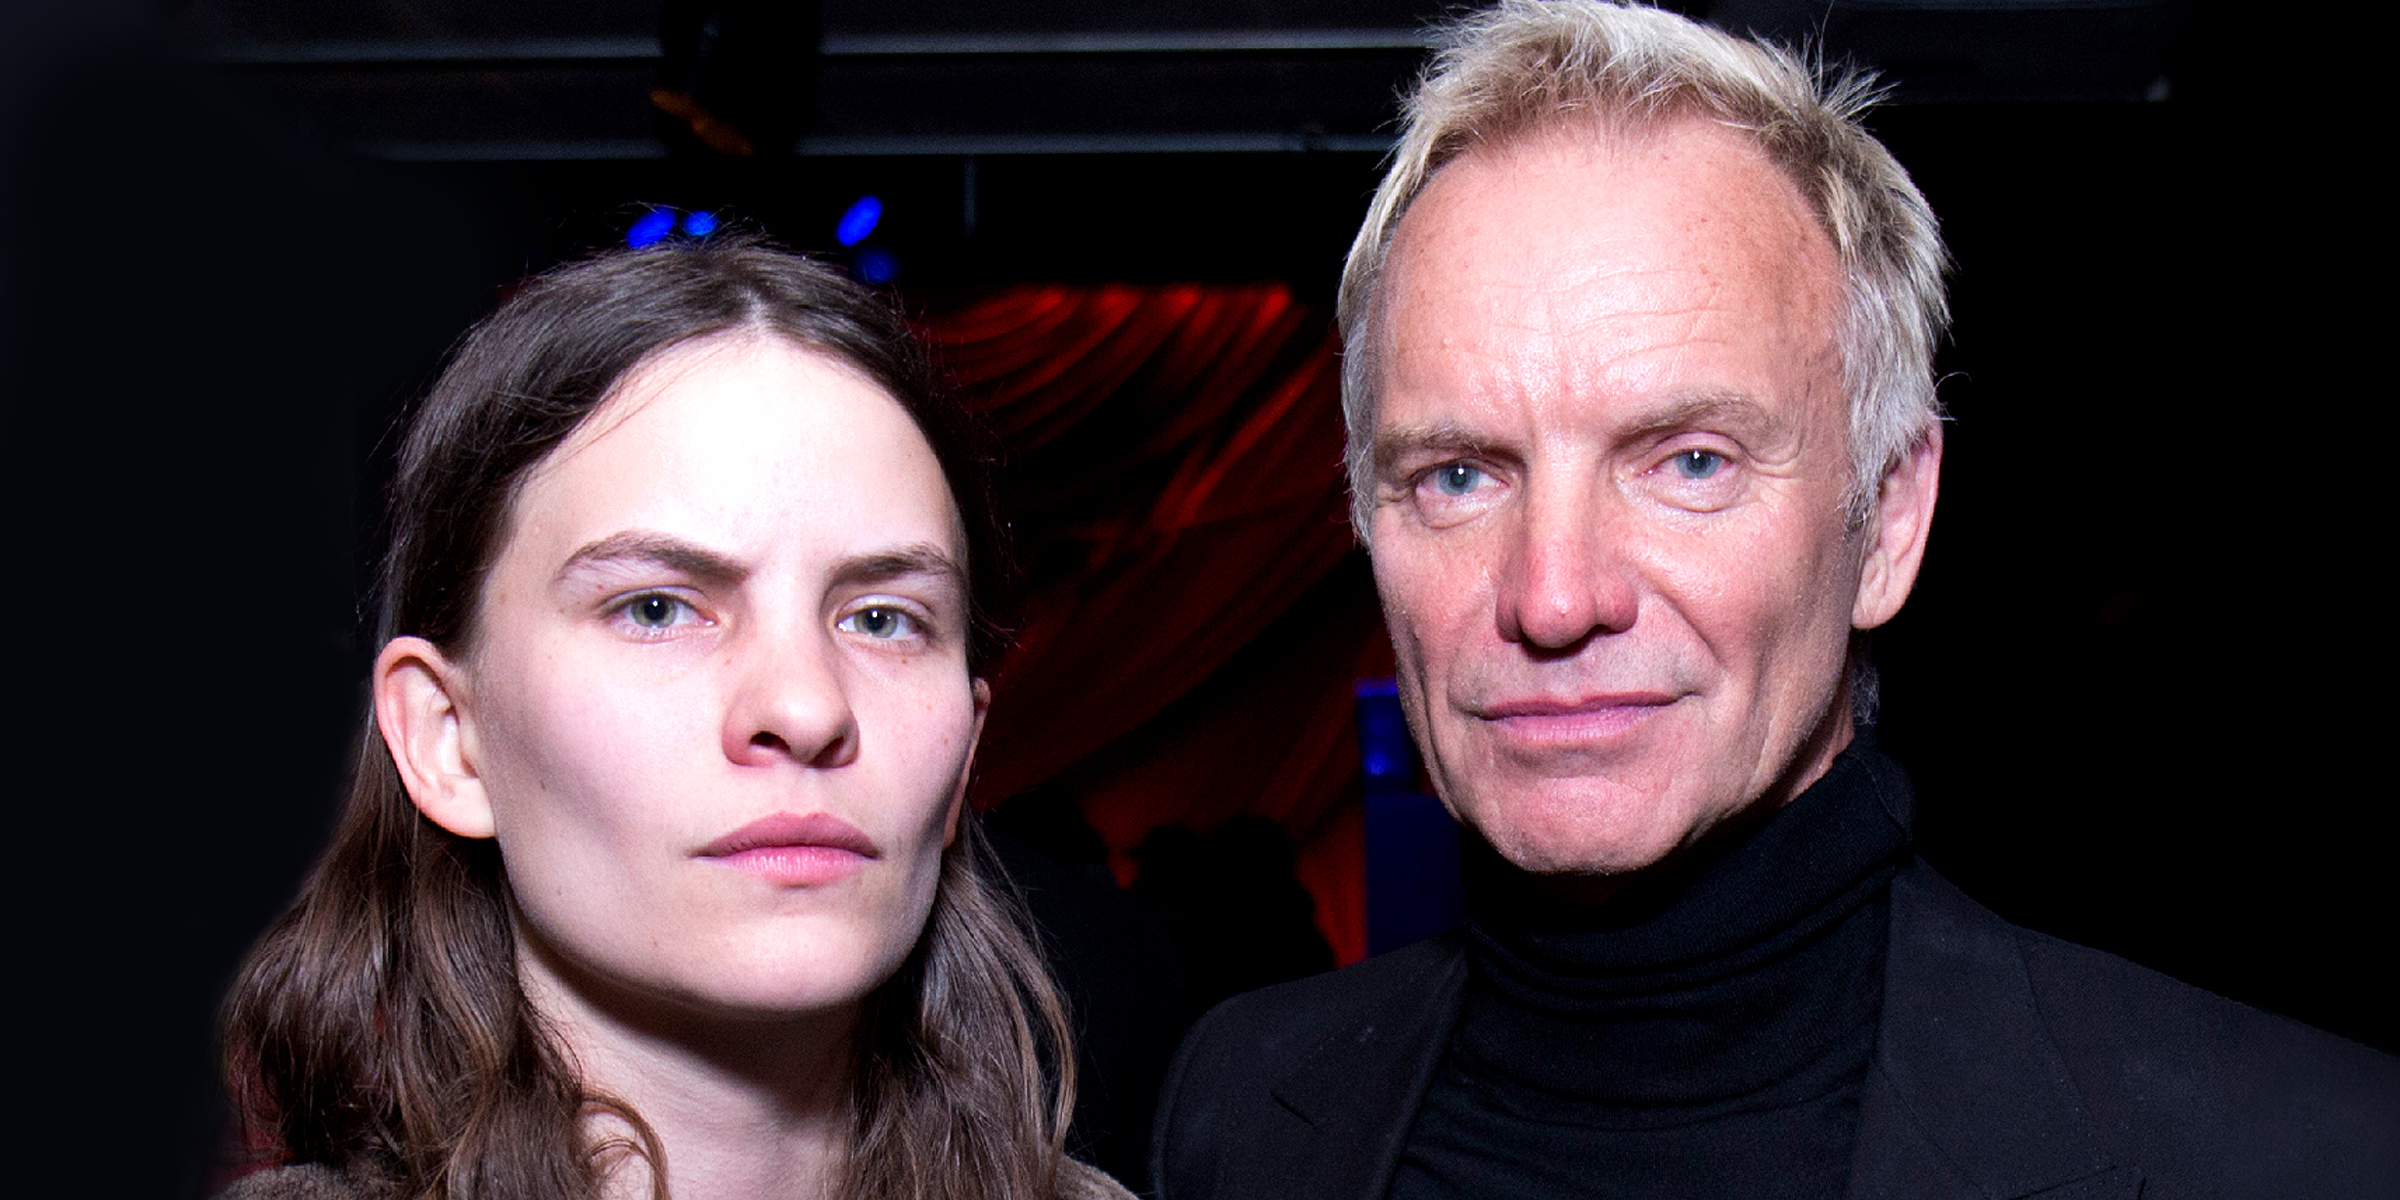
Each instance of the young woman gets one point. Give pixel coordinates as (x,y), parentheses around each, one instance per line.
(655,877)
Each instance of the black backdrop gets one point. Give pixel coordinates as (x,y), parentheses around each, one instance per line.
(2139,684)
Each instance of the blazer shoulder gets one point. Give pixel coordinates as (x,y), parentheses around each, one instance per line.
(1268,1080)
(1268,1027)
(2205,1094)
(2182,1073)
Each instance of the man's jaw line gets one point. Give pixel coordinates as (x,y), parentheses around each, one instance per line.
(1807,763)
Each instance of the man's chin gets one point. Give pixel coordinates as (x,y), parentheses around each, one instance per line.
(1596,825)
(1582,852)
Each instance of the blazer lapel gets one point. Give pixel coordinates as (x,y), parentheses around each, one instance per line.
(1360,1087)
(1968,1098)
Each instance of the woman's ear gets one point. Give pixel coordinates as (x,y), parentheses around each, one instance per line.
(958,797)
(420,709)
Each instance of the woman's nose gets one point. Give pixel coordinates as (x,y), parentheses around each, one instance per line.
(788,702)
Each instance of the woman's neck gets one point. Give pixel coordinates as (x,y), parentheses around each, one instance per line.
(739,1108)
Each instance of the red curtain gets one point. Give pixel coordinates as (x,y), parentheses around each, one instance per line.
(1196,608)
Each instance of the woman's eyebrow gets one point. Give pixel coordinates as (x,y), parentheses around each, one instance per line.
(657,549)
(922,558)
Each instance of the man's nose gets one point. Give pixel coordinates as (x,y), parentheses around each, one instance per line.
(788,702)
(1566,578)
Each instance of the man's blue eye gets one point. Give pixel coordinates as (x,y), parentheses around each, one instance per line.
(653,612)
(1457,479)
(1698,464)
(880,623)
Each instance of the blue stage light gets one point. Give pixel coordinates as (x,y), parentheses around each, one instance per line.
(1385,753)
(700,224)
(878,266)
(858,221)
(1413,887)
(653,225)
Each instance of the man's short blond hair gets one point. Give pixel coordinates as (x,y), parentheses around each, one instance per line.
(1524,66)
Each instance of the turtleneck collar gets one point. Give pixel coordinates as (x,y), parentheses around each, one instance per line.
(1746,975)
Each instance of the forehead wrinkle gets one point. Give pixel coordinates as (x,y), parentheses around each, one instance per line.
(1555,320)
(1554,372)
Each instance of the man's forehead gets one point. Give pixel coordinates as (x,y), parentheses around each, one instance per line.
(1582,198)
(1589,259)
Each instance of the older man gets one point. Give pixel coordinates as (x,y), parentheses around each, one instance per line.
(1643,438)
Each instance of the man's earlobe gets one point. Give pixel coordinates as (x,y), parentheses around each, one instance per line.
(1897,531)
(419,709)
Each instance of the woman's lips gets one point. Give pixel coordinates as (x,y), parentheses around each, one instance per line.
(794,851)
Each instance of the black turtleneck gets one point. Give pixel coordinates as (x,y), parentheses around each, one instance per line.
(1704,1032)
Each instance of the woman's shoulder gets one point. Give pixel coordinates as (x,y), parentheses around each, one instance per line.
(305,1181)
(1079,1182)
(312,1181)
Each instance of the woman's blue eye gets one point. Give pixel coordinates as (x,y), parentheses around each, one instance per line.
(880,622)
(654,612)
(1698,464)
(1457,479)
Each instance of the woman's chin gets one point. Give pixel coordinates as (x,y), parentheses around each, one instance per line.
(725,986)
(774,1001)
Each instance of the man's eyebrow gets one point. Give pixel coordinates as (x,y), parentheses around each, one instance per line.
(1710,408)
(922,558)
(1445,439)
(657,549)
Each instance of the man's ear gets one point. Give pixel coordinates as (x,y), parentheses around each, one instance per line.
(958,796)
(419,708)
(1896,532)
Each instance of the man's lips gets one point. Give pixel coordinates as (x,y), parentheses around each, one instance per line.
(1572,721)
(1546,706)
(793,850)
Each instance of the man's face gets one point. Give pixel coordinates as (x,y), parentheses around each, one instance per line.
(1611,456)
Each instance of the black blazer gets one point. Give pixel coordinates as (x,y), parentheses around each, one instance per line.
(2009,1065)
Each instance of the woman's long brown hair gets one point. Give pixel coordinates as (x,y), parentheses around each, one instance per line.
(379,1026)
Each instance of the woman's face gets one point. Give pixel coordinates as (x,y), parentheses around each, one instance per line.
(717,700)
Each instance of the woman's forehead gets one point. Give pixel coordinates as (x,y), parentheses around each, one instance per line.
(747,436)
(743,356)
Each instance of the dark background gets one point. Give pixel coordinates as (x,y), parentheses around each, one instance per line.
(2136,684)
